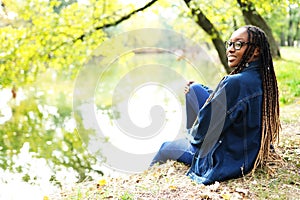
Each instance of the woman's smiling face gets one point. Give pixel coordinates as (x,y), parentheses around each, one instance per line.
(235,51)
(235,56)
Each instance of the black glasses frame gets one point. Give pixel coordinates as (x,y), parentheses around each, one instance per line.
(236,45)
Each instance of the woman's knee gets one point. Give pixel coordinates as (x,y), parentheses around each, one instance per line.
(200,89)
(164,146)
(197,96)
(194,86)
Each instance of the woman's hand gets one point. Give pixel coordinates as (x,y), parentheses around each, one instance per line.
(187,87)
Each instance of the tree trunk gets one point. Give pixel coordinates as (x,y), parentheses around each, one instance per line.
(282,39)
(209,28)
(290,29)
(251,16)
(297,35)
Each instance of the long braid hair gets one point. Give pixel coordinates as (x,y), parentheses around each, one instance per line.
(270,103)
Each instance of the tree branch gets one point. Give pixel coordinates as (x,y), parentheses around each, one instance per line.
(211,30)
(126,16)
(123,18)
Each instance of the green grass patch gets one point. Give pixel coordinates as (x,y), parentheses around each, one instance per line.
(288,74)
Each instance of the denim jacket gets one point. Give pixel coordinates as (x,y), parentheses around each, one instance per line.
(229,128)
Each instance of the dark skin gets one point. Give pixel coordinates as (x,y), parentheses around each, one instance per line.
(234,56)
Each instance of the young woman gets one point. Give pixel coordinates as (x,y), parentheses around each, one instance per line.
(231,130)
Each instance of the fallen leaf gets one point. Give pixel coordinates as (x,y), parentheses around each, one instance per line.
(172,187)
(214,187)
(204,196)
(45,198)
(241,190)
(171,171)
(101,183)
(225,196)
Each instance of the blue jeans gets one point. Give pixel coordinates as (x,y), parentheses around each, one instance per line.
(194,101)
(182,150)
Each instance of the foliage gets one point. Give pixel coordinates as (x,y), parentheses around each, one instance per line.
(43,45)
(60,35)
(44,121)
(40,38)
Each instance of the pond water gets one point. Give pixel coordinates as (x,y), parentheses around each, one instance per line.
(125,112)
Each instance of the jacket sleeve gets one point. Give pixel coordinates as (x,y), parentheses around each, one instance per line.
(213,118)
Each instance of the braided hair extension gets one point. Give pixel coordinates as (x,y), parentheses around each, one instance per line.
(270,105)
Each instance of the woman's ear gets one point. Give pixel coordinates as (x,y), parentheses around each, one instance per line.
(256,52)
(255,55)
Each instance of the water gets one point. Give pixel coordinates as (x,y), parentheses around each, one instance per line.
(138,107)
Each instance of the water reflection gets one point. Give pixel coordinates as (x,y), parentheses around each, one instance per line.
(130,132)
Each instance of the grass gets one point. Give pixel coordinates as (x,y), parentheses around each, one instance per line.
(169,181)
(288,74)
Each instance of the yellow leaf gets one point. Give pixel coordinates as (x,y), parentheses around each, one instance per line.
(45,198)
(102,182)
(226,196)
(173,187)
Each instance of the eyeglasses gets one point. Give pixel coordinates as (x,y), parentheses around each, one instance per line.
(236,45)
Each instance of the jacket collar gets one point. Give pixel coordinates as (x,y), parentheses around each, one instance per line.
(252,65)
